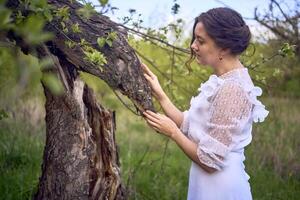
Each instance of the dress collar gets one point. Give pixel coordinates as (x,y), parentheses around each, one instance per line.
(233,72)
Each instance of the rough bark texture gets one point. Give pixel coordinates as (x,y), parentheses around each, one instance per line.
(122,71)
(80,156)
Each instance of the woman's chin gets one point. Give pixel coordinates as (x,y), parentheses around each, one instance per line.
(199,61)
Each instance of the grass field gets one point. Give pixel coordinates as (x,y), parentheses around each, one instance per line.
(154,168)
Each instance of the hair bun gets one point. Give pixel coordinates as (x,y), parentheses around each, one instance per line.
(227,28)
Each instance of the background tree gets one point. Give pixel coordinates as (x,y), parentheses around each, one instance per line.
(282,19)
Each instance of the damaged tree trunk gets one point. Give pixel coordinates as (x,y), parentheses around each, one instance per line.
(80,156)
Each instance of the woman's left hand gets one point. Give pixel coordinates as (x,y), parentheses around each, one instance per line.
(161,123)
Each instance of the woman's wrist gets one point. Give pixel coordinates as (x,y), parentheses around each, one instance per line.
(175,134)
(163,98)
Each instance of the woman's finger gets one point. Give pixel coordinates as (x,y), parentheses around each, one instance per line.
(147,70)
(147,77)
(150,117)
(157,116)
(152,124)
(153,127)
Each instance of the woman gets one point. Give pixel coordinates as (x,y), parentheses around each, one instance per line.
(218,124)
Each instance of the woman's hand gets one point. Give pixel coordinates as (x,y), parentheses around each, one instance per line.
(161,123)
(153,81)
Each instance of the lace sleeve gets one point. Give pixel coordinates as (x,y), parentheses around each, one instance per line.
(229,109)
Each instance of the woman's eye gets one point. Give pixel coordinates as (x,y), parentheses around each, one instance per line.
(200,41)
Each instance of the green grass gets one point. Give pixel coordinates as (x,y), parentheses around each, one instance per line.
(153,168)
(20,160)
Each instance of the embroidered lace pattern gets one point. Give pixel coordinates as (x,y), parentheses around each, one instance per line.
(228,108)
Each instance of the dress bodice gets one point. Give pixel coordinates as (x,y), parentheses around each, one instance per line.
(220,117)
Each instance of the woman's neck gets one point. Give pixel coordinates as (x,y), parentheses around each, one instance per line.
(226,66)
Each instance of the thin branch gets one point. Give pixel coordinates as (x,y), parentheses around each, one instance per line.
(154,38)
(163,74)
(285,16)
(165,48)
(127,106)
(263,61)
(276,31)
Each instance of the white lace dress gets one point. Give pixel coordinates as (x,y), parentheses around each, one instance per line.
(220,121)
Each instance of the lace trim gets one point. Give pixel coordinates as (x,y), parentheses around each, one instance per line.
(209,88)
(233,71)
(212,146)
(205,159)
(259,113)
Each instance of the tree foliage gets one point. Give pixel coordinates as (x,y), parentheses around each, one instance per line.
(153,45)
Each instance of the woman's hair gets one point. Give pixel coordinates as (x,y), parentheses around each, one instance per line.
(226,27)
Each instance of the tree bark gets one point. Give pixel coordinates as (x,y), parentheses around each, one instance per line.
(122,71)
(80,156)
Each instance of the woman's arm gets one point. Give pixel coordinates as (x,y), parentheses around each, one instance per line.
(166,126)
(171,111)
(190,149)
(168,107)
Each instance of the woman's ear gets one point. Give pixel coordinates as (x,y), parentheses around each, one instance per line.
(223,53)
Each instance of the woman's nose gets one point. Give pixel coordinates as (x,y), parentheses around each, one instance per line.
(194,46)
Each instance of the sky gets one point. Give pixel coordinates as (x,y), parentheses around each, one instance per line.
(156,13)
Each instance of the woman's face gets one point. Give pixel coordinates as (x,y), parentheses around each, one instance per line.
(205,49)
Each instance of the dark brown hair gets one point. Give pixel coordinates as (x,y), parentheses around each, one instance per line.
(226,27)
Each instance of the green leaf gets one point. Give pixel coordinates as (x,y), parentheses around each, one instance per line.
(287,50)
(38,5)
(3,114)
(276,72)
(48,15)
(101,41)
(4,16)
(103,2)
(65,30)
(75,28)
(63,13)
(109,42)
(63,25)
(32,30)
(46,63)
(83,42)
(52,83)
(112,35)
(19,17)
(110,38)
(70,44)
(86,11)
(94,56)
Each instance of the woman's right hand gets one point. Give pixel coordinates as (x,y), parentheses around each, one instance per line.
(157,91)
